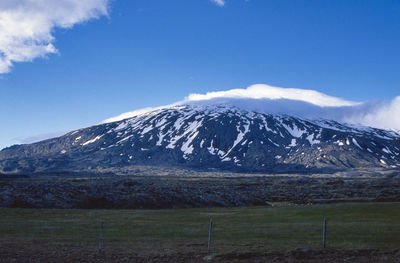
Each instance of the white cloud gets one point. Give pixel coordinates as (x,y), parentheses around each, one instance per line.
(309,104)
(384,116)
(219,2)
(262,91)
(26,26)
(38,137)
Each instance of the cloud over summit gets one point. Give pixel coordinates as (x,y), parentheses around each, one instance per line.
(262,91)
(26,26)
(308,104)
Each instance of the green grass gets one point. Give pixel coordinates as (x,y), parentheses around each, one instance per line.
(350,226)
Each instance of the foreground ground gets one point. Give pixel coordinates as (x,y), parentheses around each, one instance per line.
(357,232)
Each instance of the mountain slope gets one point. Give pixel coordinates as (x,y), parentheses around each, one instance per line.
(221,137)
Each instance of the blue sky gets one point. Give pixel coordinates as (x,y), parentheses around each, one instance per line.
(154,52)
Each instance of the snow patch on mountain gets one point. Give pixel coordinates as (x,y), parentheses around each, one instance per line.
(92,140)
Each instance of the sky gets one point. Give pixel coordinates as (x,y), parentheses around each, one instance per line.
(69,64)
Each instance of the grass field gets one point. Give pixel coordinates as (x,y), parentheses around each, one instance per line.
(281,227)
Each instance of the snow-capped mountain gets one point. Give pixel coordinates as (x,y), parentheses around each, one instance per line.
(210,136)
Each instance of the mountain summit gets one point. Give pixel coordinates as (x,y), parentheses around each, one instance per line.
(210,136)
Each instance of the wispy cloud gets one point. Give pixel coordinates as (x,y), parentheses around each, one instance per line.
(38,137)
(26,26)
(218,2)
(309,104)
(131,114)
(384,115)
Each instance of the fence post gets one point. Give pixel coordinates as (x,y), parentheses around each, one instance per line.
(209,235)
(101,237)
(324,234)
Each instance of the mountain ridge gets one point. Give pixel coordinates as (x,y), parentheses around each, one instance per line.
(219,136)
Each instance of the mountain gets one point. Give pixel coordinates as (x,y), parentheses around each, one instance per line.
(222,136)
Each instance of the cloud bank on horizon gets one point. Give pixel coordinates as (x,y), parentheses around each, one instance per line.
(26,26)
(304,103)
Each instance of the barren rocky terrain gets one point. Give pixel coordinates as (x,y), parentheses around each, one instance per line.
(148,187)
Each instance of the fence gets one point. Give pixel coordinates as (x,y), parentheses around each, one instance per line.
(351,226)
